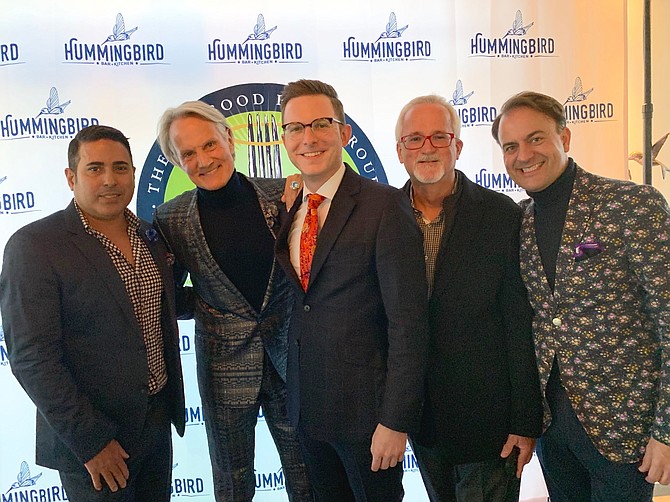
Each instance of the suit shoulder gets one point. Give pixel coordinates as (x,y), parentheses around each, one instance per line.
(624,189)
(39,236)
(496,200)
(44,227)
(377,187)
(269,188)
(175,204)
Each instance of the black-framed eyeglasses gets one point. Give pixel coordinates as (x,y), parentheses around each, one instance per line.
(318,126)
(438,140)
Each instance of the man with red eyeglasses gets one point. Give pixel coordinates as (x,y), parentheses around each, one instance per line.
(483,407)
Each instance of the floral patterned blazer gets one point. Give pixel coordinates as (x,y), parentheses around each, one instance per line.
(608,319)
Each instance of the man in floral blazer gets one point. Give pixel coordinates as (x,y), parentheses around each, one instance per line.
(596,262)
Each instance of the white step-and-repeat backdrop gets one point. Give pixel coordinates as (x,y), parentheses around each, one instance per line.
(65,65)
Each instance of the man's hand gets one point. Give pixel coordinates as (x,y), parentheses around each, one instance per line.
(656,462)
(525,446)
(387,448)
(110,464)
(291,190)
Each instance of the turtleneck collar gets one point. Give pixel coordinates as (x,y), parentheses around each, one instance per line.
(227,196)
(559,191)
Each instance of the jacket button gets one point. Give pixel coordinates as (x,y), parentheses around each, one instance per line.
(556,321)
(307,308)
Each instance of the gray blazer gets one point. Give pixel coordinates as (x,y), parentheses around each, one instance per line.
(231,336)
(74,343)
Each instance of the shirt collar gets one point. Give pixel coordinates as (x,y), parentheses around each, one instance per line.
(133,221)
(329,188)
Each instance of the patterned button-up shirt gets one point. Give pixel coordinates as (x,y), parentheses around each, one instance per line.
(144,286)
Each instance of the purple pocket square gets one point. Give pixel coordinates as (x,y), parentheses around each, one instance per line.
(585,250)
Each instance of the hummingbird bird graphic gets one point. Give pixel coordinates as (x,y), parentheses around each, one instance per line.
(655,148)
(458,97)
(53,106)
(119,32)
(392,30)
(23,479)
(578,93)
(260,33)
(518,28)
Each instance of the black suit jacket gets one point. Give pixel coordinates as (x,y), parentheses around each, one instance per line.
(357,337)
(74,343)
(482,379)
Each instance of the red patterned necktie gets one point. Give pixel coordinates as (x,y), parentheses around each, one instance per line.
(310,228)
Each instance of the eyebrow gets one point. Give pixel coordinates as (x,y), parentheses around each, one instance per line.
(528,136)
(114,163)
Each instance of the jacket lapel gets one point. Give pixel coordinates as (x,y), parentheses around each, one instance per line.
(342,205)
(282,251)
(100,260)
(453,253)
(532,269)
(577,221)
(198,244)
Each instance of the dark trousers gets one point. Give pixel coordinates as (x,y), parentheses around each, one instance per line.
(340,472)
(573,468)
(149,464)
(231,438)
(487,481)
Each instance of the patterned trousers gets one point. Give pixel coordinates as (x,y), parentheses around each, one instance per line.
(231,440)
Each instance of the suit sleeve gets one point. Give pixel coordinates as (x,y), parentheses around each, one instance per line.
(647,240)
(184,295)
(30,300)
(526,396)
(402,280)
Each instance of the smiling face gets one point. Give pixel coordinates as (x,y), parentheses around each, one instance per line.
(205,154)
(317,156)
(534,152)
(103,182)
(429,165)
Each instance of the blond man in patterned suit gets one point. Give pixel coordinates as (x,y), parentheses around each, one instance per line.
(222,234)
(596,262)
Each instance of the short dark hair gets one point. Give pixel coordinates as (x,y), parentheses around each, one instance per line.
(90,134)
(304,87)
(535,101)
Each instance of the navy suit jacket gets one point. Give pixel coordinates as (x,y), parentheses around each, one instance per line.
(74,342)
(482,379)
(357,337)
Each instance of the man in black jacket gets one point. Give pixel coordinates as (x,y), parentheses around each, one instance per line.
(89,316)
(483,407)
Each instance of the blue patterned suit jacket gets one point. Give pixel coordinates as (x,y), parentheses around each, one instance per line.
(608,318)
(231,336)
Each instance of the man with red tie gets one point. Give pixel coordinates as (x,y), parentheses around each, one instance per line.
(357,337)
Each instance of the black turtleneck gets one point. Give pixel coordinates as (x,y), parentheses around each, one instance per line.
(551,206)
(238,236)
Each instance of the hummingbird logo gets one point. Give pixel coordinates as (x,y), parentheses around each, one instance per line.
(24,479)
(656,147)
(53,105)
(458,97)
(119,33)
(578,93)
(260,33)
(392,30)
(518,29)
